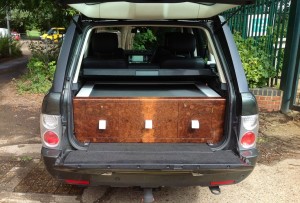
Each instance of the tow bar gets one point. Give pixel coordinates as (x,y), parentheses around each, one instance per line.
(148,195)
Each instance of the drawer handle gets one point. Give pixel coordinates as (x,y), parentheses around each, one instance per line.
(195,124)
(148,124)
(102,124)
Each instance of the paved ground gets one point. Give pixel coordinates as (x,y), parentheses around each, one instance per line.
(24,179)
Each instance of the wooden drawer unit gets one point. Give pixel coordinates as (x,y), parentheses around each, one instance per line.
(210,115)
(171,118)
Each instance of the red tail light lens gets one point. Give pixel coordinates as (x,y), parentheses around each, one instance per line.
(224,182)
(51,139)
(77,182)
(248,140)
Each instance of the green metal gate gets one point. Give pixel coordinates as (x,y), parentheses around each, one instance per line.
(266,19)
(292,62)
(290,76)
(296,93)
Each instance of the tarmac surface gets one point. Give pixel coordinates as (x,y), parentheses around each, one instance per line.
(23,177)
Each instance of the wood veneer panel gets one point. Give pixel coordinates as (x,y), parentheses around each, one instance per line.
(209,113)
(171,119)
(134,113)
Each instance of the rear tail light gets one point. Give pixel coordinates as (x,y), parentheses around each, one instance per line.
(250,122)
(248,131)
(223,182)
(248,140)
(51,129)
(77,182)
(50,121)
(51,139)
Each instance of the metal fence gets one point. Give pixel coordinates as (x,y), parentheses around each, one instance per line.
(267,19)
(297,94)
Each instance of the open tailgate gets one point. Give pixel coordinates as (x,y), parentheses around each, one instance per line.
(153,10)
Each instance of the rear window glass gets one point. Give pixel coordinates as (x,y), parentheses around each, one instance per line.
(143,44)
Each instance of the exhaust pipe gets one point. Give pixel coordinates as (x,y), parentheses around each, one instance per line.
(215,190)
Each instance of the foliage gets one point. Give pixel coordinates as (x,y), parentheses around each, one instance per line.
(41,68)
(144,40)
(38,78)
(256,61)
(31,34)
(44,52)
(35,14)
(4,48)
(26,158)
(274,15)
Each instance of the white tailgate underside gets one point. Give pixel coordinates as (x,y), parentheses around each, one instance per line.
(150,11)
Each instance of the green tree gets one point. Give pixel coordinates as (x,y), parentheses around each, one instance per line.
(256,61)
(40,68)
(35,14)
(144,40)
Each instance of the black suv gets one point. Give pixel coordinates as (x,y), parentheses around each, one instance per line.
(149,94)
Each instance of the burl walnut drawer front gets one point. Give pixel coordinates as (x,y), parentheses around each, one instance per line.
(210,115)
(133,115)
(169,119)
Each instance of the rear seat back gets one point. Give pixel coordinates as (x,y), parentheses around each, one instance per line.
(104,52)
(181,47)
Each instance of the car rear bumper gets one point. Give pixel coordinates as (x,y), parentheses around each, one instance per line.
(118,165)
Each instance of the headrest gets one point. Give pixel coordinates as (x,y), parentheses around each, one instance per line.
(180,42)
(104,42)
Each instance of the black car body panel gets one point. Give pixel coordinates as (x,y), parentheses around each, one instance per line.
(175,169)
(64,56)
